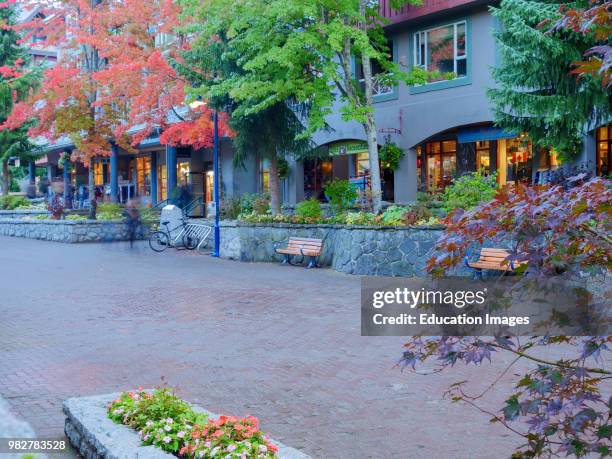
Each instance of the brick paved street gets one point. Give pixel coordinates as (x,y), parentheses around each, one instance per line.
(280,343)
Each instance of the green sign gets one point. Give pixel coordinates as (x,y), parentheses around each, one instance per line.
(351,147)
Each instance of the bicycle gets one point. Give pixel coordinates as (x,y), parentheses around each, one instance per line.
(161,239)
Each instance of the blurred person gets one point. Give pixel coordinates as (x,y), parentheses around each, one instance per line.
(132,220)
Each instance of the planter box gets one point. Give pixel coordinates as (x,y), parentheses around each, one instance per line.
(95,436)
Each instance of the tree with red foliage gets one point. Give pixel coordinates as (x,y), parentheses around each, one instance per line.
(113,81)
(594,19)
(558,407)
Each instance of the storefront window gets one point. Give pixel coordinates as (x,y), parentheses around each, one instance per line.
(441,163)
(483,163)
(143,176)
(161,183)
(317,172)
(442,49)
(604,150)
(518,160)
(264,178)
(182,172)
(362,161)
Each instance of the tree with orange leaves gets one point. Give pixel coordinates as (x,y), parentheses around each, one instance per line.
(113,81)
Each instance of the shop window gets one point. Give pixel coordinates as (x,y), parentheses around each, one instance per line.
(101,171)
(442,49)
(604,150)
(362,163)
(264,175)
(518,160)
(143,176)
(483,163)
(182,173)
(162,191)
(441,163)
(317,172)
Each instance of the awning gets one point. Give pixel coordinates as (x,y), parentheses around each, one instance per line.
(478,134)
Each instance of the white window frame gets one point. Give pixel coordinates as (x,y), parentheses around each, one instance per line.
(420,41)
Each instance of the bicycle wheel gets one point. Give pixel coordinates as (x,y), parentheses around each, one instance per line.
(159,241)
(190,242)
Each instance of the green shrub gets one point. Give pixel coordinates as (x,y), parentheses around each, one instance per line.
(109,211)
(311,208)
(341,194)
(75,217)
(231,208)
(255,203)
(11,202)
(261,204)
(469,190)
(393,216)
(360,218)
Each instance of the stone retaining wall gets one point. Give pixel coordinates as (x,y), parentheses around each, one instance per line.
(71,231)
(95,436)
(365,250)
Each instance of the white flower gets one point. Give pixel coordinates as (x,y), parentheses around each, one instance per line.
(208,444)
(169,420)
(146,437)
(118,411)
(230,448)
(201,453)
(149,423)
(181,434)
(263,449)
(167,439)
(187,426)
(167,428)
(247,444)
(214,451)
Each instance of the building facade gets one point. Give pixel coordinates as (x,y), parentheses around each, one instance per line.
(445,128)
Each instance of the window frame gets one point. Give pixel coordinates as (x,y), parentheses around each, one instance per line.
(418,51)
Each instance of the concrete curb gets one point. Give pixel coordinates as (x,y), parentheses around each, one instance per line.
(11,427)
(95,436)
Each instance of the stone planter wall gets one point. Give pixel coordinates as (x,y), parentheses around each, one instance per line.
(95,436)
(365,250)
(33,213)
(70,231)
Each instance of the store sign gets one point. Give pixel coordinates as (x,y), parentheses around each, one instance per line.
(352,147)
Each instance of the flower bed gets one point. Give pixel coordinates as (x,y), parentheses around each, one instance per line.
(169,423)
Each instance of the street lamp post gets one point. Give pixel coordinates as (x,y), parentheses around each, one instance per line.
(217,232)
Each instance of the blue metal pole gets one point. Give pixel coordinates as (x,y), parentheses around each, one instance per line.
(153,178)
(114,173)
(32,172)
(171,177)
(66,176)
(216,184)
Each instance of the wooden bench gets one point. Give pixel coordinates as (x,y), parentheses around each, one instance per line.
(306,247)
(494,259)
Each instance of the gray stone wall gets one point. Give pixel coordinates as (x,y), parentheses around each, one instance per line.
(364,250)
(70,231)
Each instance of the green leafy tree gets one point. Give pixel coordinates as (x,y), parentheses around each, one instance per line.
(271,133)
(16,80)
(302,52)
(538,91)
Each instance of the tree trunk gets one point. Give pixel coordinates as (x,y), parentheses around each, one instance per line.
(91,190)
(6,182)
(274,183)
(370,123)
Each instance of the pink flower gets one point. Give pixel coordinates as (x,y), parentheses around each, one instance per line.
(230,448)
(181,434)
(167,439)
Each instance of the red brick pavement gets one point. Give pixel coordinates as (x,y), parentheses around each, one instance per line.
(281,343)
